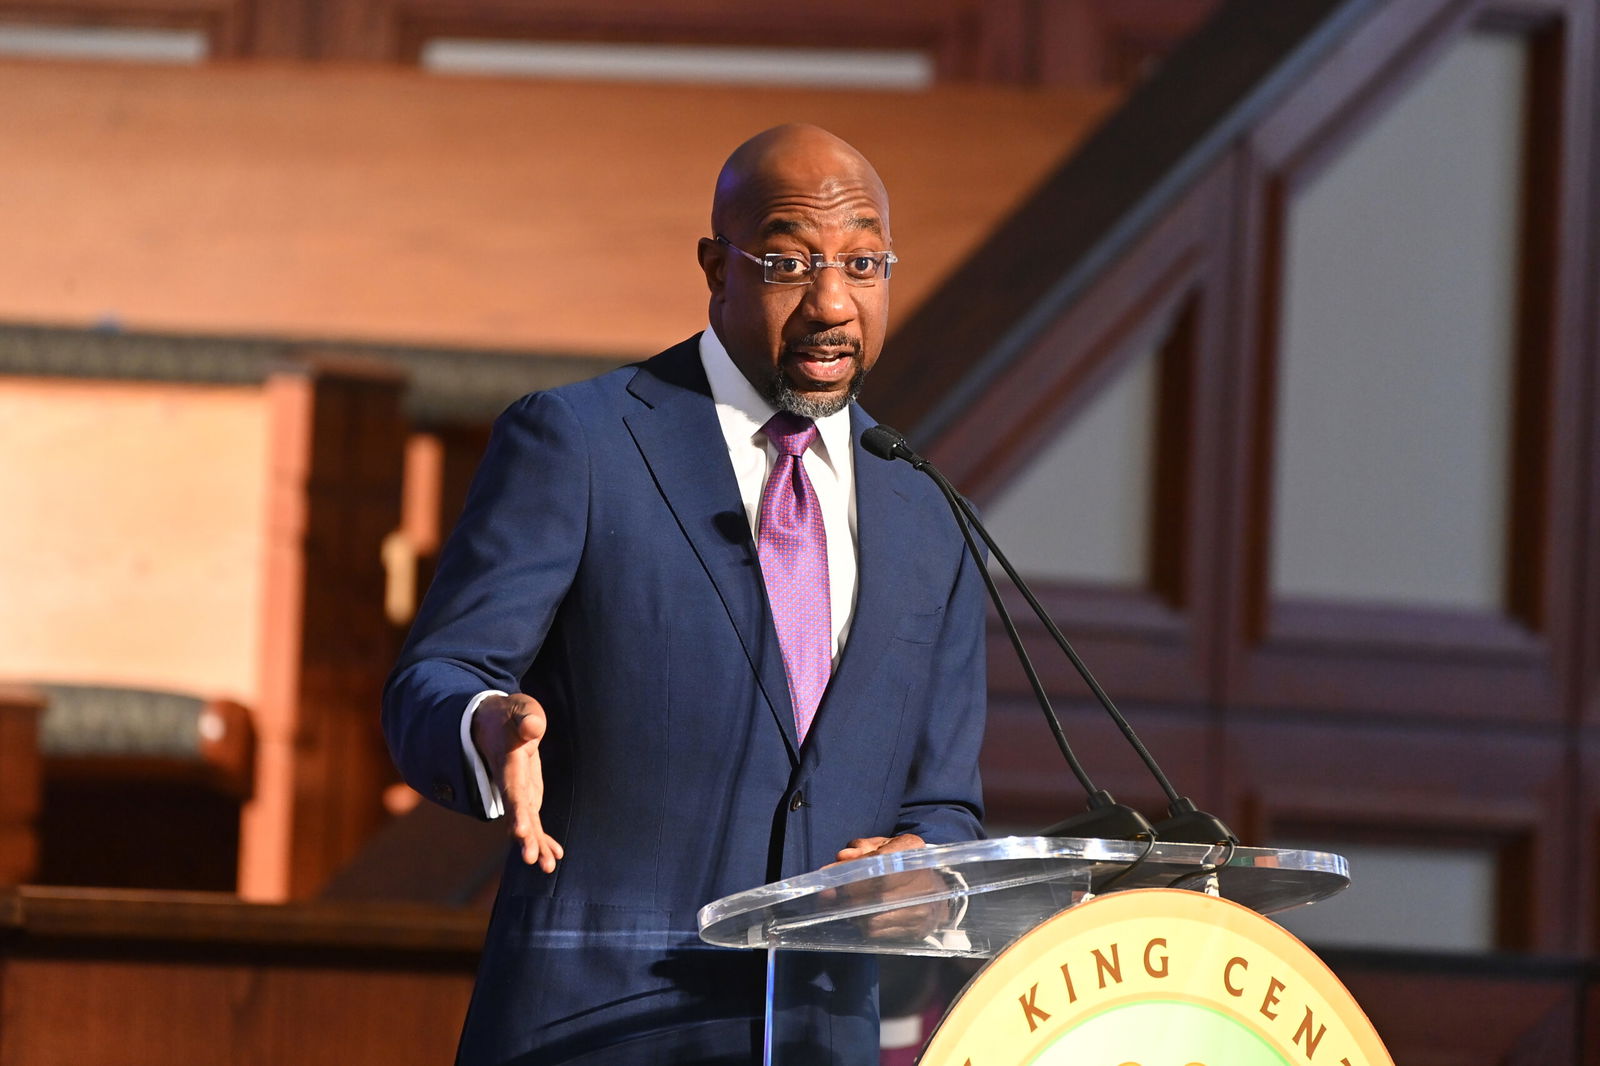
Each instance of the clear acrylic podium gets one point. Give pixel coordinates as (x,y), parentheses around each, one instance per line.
(971,900)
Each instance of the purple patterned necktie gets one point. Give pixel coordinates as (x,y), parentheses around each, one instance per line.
(794,561)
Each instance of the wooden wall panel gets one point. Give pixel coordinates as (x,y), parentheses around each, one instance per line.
(1513,666)
(1110,41)
(1027,786)
(1440,1012)
(391,206)
(1057,42)
(1153,642)
(1504,790)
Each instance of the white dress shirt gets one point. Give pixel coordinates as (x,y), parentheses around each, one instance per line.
(830,466)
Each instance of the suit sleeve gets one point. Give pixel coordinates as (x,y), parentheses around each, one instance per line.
(502,577)
(943,800)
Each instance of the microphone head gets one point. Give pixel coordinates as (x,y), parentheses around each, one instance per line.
(882,441)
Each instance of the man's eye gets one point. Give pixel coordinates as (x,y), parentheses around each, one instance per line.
(790,264)
(863,265)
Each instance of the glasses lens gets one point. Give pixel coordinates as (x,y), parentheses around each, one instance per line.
(861,268)
(785,269)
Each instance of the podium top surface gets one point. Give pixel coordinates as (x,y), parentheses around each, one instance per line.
(974,898)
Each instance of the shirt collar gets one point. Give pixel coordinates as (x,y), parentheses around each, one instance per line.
(738,403)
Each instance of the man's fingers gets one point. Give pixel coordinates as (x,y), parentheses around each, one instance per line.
(866,843)
(538,847)
(860,848)
(541,851)
(528,723)
(903,842)
(524,792)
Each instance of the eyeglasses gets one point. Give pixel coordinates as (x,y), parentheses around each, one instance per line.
(794,268)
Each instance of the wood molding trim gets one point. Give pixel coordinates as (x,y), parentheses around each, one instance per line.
(1584,40)
(1586,842)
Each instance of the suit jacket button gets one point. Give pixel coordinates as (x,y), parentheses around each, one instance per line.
(798,801)
(443,791)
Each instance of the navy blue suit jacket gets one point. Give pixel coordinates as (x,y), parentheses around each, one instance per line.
(604,565)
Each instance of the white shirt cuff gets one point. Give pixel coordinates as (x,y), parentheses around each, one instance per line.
(493,805)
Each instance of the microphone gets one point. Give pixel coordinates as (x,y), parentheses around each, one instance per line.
(887,443)
(1185,823)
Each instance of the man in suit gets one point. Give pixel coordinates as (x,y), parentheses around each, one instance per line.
(691,639)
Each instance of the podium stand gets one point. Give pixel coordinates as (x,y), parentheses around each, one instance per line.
(972,900)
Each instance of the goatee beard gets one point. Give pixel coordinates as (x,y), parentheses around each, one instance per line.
(782,394)
(813,405)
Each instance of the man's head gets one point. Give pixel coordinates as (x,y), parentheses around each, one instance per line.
(801,190)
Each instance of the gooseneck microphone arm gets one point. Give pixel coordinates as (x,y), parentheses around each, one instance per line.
(1105,817)
(1185,821)
(1022,652)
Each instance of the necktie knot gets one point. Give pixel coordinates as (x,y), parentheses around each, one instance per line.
(790,433)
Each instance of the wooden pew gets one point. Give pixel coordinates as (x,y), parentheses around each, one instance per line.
(142,789)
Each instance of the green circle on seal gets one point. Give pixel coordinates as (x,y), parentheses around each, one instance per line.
(1159,1033)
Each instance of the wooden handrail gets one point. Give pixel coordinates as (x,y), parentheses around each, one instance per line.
(30,912)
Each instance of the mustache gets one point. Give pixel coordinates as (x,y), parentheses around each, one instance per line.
(833,338)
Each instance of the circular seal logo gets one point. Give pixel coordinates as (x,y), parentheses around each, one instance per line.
(1156,977)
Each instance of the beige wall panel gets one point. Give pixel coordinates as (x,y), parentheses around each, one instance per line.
(1081,510)
(398,206)
(1435,898)
(1398,336)
(132,553)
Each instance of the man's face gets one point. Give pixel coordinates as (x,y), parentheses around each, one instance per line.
(805,348)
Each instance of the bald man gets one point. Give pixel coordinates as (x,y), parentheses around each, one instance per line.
(689,638)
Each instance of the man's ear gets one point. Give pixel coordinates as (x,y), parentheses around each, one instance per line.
(714,263)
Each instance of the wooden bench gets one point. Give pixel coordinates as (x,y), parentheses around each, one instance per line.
(141,789)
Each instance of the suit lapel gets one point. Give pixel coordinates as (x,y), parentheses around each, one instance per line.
(678,435)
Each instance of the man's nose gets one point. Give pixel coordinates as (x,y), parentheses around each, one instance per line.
(828,300)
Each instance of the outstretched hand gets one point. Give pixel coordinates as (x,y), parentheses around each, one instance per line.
(506,731)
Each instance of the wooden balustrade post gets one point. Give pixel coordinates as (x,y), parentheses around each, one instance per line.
(20,783)
(338,440)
